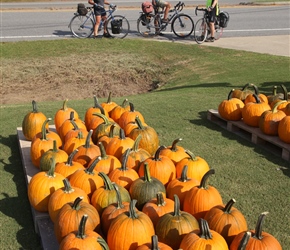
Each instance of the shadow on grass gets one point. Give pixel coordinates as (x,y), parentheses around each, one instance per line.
(203,121)
(18,207)
(202,85)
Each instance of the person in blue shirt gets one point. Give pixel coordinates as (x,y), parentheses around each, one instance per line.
(213,8)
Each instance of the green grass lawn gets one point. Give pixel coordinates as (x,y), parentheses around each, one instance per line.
(196,78)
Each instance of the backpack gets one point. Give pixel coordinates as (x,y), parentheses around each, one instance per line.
(224,18)
(82,10)
(147,7)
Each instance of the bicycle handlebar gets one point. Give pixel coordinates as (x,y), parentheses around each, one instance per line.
(179,6)
(200,9)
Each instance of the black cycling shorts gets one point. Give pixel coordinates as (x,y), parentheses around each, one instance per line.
(99,11)
(212,15)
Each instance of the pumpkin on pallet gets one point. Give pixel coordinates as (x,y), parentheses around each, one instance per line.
(284,129)
(32,122)
(154,245)
(242,93)
(251,97)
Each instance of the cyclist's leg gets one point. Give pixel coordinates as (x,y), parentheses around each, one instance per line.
(98,13)
(212,19)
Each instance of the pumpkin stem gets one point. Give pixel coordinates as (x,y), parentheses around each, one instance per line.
(109,100)
(157,153)
(139,123)
(122,134)
(174,144)
(67,186)
(191,155)
(90,169)
(229,206)
(258,230)
(154,242)
(183,177)
(103,243)
(43,129)
(230,94)
(75,126)
(132,108)
(50,172)
(96,102)
(124,103)
(246,86)
(64,105)
(147,175)
(257,98)
(88,139)
(119,197)
(76,204)
(176,206)
(256,90)
(284,91)
(204,179)
(105,118)
(204,229)
(81,229)
(125,159)
(72,116)
(132,210)
(70,158)
(107,181)
(160,199)
(54,147)
(111,132)
(136,143)
(244,241)
(275,107)
(34,107)
(103,151)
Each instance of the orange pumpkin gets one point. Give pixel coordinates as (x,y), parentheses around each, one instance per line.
(251,97)
(41,186)
(73,143)
(181,186)
(75,131)
(66,169)
(69,217)
(63,114)
(284,129)
(172,227)
(130,230)
(129,116)
(117,111)
(87,151)
(32,122)
(63,196)
(154,245)
(287,109)
(113,210)
(203,238)
(259,239)
(83,239)
(105,139)
(200,199)
(226,220)
(174,152)
(87,179)
(231,108)
(269,120)
(124,176)
(253,110)
(157,207)
(274,96)
(197,166)
(242,93)
(283,105)
(109,105)
(160,167)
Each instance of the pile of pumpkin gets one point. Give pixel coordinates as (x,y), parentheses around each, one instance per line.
(106,183)
(270,113)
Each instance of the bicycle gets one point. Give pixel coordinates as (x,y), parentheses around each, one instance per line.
(202,30)
(82,26)
(150,24)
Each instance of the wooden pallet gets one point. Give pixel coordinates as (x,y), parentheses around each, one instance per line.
(43,225)
(255,135)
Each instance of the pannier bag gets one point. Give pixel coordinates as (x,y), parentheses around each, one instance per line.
(82,10)
(223,19)
(147,7)
(116,26)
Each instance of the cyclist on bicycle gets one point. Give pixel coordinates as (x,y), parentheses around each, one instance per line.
(100,13)
(213,8)
(161,4)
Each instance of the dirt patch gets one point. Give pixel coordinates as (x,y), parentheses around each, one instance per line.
(73,78)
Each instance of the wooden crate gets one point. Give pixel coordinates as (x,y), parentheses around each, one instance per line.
(43,225)
(271,143)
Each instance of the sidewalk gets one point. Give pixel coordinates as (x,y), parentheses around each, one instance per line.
(273,45)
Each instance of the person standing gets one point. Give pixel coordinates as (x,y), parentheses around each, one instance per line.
(100,13)
(213,8)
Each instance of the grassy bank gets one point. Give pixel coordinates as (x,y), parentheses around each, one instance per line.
(195,78)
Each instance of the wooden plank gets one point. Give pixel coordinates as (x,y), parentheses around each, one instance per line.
(255,135)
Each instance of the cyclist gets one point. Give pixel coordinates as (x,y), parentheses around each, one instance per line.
(213,8)
(100,13)
(162,4)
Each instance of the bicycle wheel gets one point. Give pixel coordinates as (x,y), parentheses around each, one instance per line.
(200,31)
(82,26)
(146,25)
(118,26)
(218,32)
(182,25)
